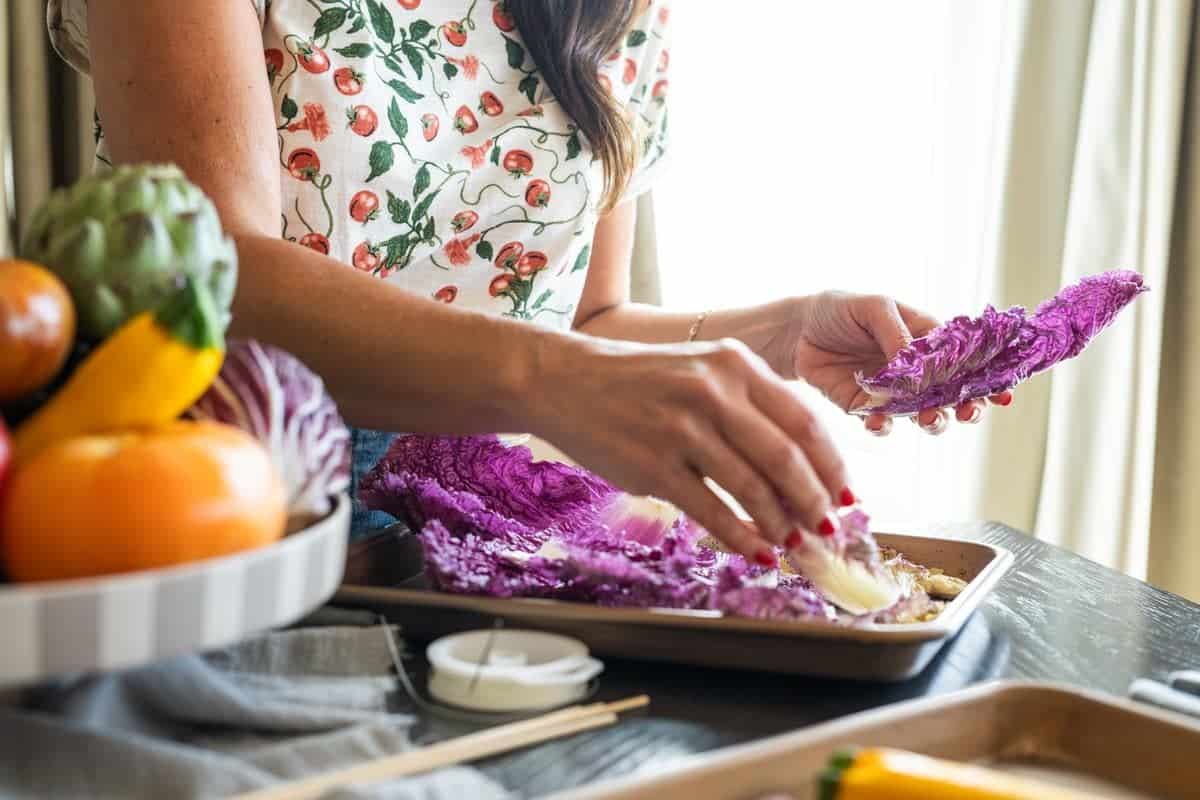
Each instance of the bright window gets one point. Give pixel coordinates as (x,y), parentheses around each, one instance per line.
(838,145)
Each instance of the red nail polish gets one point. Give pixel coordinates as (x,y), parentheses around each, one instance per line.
(766,558)
(967,413)
(1004,399)
(793,540)
(846,497)
(827,526)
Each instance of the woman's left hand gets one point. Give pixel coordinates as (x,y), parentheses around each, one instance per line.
(829,337)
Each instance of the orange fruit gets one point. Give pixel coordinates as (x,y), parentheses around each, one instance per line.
(99,505)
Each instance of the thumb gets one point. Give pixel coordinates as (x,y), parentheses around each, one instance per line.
(882,320)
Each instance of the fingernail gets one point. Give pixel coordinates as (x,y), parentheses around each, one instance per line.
(793,540)
(827,527)
(1003,399)
(846,497)
(969,414)
(766,558)
(885,427)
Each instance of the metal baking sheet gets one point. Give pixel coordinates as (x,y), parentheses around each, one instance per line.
(1106,747)
(814,648)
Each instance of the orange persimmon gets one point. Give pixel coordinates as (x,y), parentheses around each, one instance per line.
(105,504)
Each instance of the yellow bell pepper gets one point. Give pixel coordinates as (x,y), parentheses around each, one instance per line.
(887,774)
(151,370)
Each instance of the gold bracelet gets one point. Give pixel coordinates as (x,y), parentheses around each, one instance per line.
(695,331)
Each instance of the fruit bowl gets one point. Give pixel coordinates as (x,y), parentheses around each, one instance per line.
(115,622)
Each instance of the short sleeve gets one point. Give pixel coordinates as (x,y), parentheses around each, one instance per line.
(67,22)
(639,78)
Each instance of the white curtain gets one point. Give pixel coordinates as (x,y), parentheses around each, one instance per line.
(952,153)
(1096,93)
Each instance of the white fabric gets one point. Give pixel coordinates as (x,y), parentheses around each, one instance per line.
(1112,166)
(1174,545)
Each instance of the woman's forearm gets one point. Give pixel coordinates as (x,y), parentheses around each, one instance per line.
(755,326)
(391,360)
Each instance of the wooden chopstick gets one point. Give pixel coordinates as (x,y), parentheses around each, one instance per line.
(492,741)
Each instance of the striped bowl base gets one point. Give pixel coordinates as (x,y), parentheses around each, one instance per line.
(95,624)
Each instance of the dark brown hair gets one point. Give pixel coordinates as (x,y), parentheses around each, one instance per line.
(568,40)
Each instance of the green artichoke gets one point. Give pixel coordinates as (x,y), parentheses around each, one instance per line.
(122,240)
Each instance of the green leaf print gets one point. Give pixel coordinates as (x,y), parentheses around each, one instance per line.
(360,22)
(395,250)
(405,91)
(330,20)
(398,209)
(288,108)
(428,232)
(484,249)
(381,159)
(423,206)
(573,146)
(413,54)
(356,50)
(516,53)
(542,298)
(419,29)
(394,65)
(381,21)
(635,38)
(399,123)
(496,155)
(521,290)
(581,260)
(529,85)
(421,183)
(449,69)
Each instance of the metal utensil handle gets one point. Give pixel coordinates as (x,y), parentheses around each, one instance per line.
(1185,680)
(1163,696)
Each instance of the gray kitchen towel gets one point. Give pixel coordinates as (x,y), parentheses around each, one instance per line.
(282,706)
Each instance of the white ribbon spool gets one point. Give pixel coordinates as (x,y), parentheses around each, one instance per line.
(525,670)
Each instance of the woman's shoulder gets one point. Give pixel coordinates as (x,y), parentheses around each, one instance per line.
(67,23)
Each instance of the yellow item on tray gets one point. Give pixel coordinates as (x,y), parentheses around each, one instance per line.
(887,774)
(151,370)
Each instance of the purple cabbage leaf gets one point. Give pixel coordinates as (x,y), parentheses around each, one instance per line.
(494,522)
(273,396)
(968,358)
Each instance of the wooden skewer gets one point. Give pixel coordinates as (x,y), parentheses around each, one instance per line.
(471,747)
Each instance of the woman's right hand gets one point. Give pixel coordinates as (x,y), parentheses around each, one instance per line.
(656,420)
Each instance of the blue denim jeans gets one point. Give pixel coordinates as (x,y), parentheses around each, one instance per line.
(366,448)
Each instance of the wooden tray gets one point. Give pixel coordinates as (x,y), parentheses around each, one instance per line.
(391,583)
(1106,747)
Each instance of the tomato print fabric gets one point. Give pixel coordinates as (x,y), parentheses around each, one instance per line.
(419,143)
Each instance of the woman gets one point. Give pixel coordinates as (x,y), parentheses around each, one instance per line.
(475,163)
